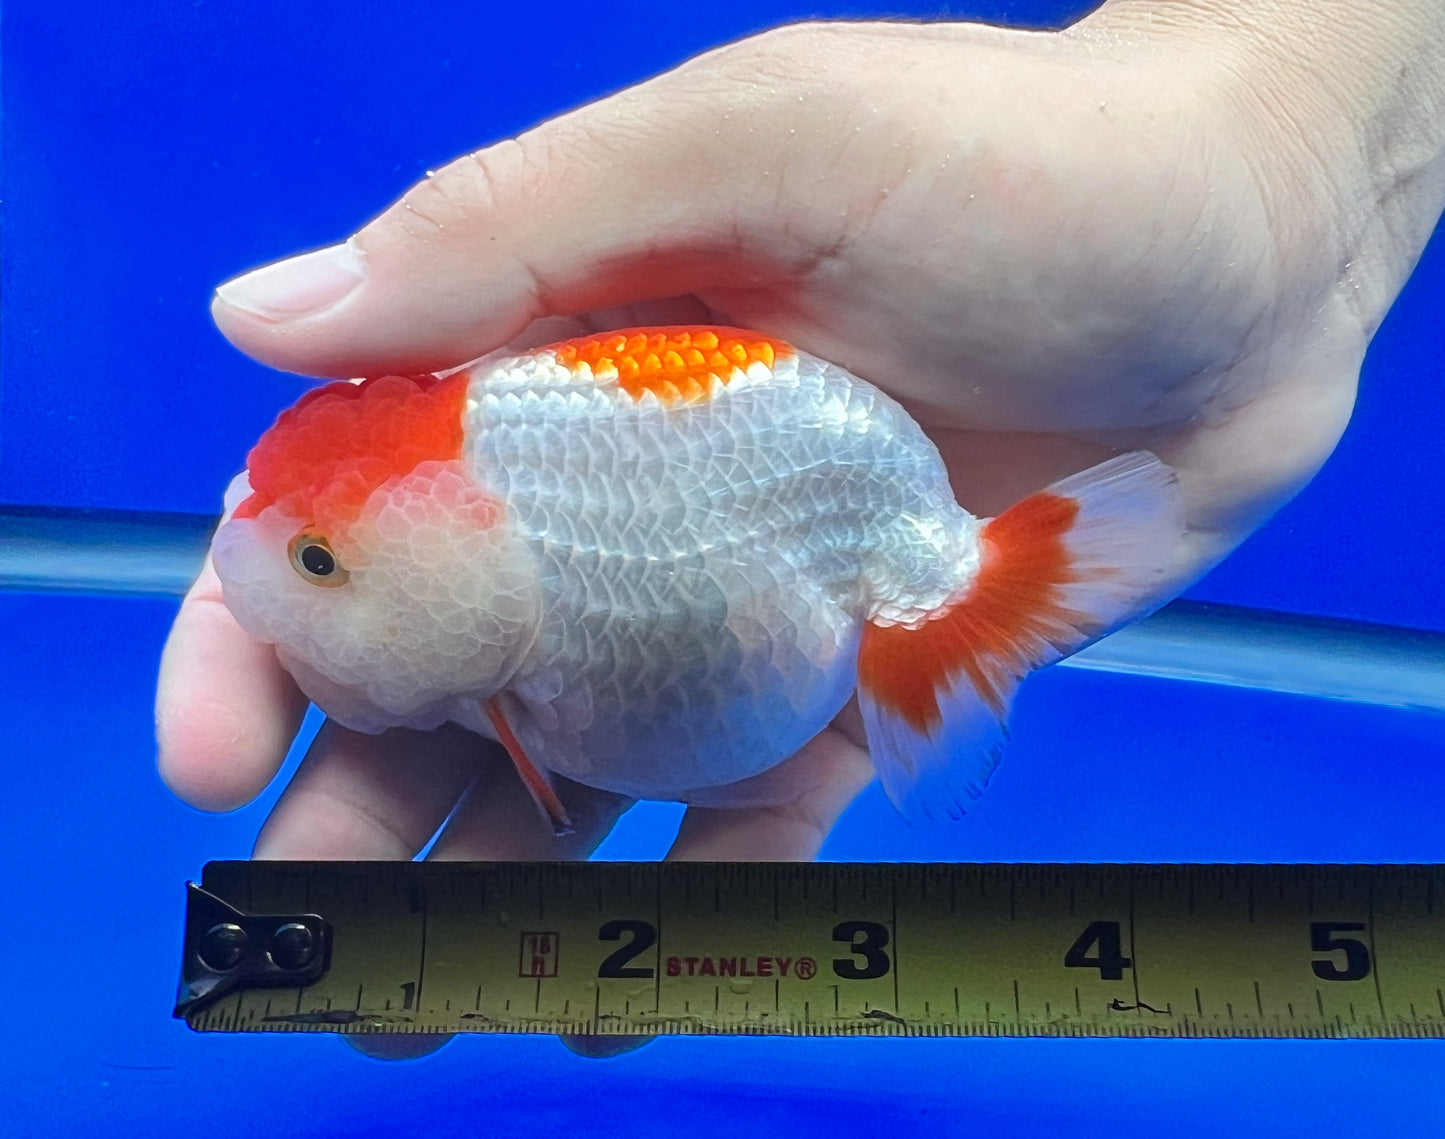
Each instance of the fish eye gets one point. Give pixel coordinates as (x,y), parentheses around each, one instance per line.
(313,558)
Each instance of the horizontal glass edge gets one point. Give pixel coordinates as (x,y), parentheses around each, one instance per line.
(133,553)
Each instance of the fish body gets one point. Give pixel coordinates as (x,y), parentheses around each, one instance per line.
(659,561)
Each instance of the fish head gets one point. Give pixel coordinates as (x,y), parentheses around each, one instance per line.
(393,586)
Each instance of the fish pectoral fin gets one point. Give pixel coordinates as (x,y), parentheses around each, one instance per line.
(533,778)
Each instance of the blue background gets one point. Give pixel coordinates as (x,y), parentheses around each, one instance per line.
(152,150)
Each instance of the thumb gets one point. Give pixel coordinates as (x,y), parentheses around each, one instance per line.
(659,191)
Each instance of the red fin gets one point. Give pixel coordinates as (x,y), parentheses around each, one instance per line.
(536,783)
(1058,570)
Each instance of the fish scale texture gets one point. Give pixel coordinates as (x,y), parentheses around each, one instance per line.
(705,567)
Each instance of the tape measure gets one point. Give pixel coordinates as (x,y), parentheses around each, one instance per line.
(817,950)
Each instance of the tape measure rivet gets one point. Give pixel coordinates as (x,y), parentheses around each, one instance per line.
(292,946)
(223,947)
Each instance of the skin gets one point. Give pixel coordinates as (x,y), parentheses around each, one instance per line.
(1173,226)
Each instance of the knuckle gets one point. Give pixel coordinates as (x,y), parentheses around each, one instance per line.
(783,45)
(791,57)
(459,196)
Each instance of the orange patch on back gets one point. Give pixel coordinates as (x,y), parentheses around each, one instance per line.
(678,365)
(326,454)
(986,635)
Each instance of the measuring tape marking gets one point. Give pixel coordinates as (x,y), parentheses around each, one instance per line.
(892,949)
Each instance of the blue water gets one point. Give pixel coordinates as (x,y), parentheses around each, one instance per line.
(152,150)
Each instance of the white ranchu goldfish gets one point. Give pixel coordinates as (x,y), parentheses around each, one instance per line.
(659,561)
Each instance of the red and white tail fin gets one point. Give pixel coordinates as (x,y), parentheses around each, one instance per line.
(1058,570)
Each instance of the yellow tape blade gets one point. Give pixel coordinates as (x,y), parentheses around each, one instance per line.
(833,949)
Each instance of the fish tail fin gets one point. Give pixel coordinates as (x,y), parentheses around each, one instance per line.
(1058,570)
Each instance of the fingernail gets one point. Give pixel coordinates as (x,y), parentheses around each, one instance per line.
(298,286)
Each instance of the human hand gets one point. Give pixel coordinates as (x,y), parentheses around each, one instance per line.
(1049,246)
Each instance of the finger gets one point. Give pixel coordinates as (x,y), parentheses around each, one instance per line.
(375,797)
(604,1047)
(992,470)
(399,1045)
(817,785)
(499,822)
(383,797)
(226,711)
(669,310)
(372,797)
(1238,469)
(664,190)
(829,773)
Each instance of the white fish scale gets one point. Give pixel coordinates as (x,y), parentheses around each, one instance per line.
(705,568)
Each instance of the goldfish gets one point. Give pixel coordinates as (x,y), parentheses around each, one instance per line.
(659,561)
